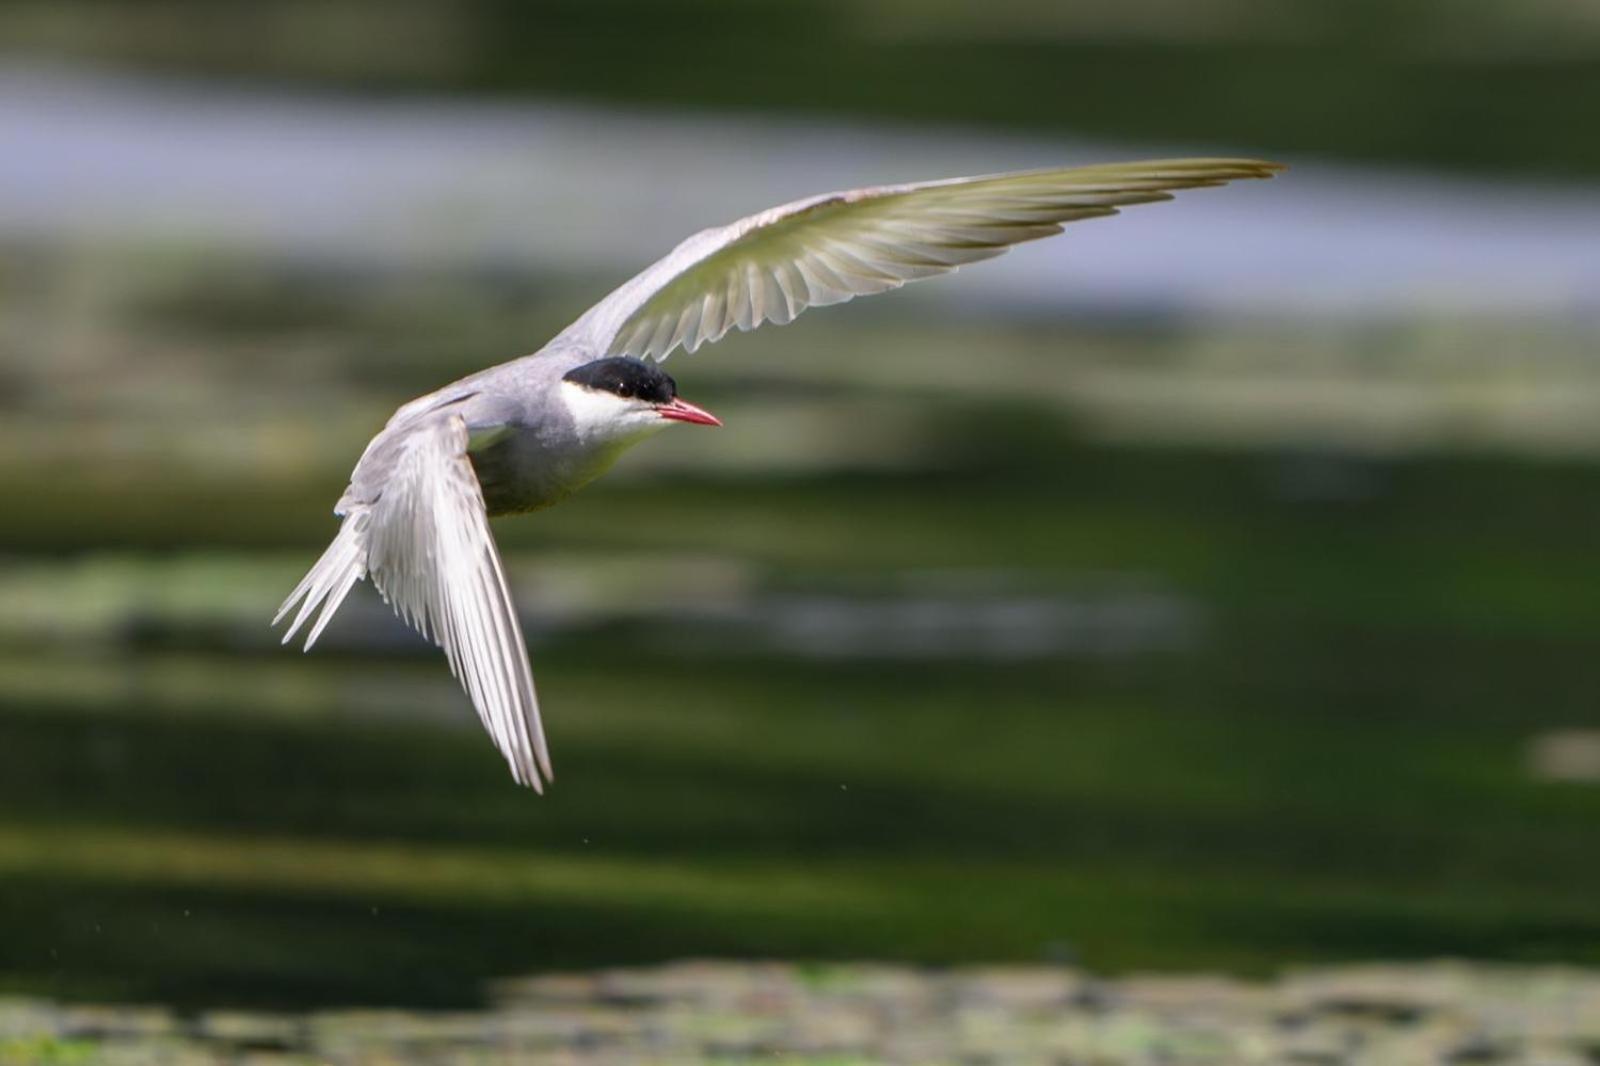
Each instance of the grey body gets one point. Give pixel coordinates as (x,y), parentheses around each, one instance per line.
(524,443)
(527,434)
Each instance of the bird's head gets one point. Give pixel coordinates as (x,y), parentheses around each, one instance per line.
(620,399)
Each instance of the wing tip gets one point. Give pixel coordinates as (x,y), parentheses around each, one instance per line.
(534,777)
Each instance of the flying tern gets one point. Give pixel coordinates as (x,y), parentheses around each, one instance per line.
(527,434)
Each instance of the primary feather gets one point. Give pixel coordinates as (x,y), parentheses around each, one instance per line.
(823,250)
(425,542)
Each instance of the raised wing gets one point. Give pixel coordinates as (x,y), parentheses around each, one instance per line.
(430,553)
(828,249)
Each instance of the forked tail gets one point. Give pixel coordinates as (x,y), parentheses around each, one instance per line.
(329,581)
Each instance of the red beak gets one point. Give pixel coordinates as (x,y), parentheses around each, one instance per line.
(684,411)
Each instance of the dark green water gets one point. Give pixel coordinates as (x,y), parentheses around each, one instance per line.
(909,662)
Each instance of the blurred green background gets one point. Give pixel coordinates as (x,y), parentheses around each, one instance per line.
(1240,613)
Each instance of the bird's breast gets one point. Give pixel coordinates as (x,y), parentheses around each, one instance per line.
(525,470)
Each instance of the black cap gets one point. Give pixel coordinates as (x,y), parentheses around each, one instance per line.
(625,377)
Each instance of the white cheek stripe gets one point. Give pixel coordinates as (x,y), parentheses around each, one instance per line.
(601,416)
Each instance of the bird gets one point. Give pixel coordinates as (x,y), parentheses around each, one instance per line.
(525,435)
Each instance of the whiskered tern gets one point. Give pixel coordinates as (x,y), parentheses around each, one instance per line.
(527,434)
